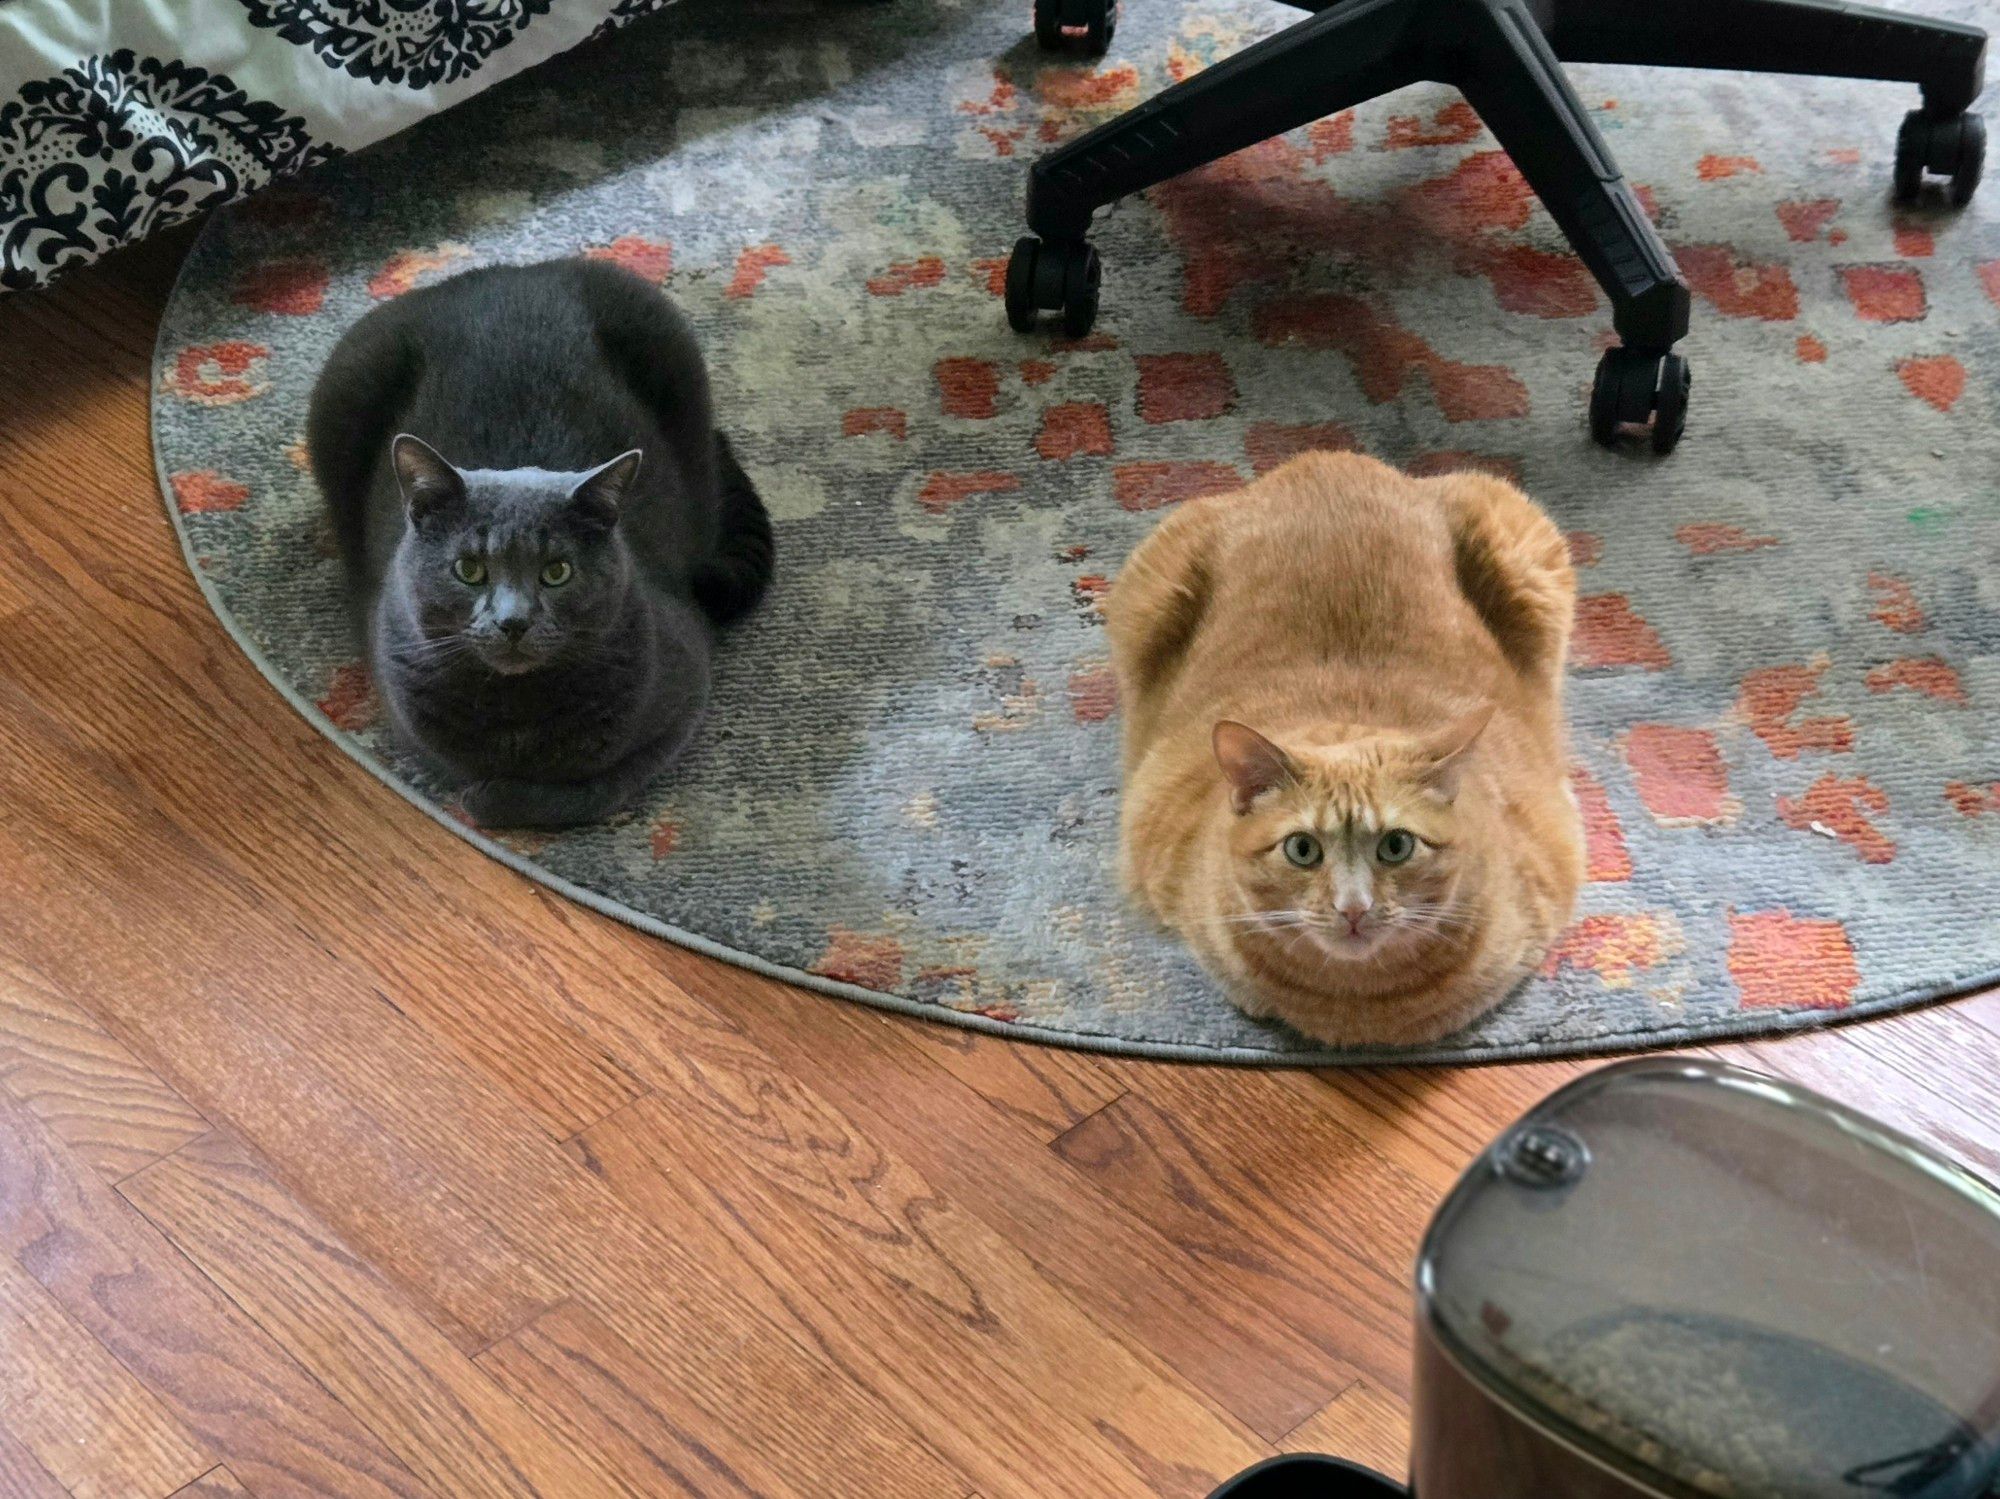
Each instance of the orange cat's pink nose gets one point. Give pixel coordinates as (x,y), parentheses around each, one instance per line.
(1353,915)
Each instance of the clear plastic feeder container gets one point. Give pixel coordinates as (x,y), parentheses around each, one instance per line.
(1681,1279)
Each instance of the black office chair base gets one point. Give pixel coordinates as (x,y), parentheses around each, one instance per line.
(1085,25)
(1505,56)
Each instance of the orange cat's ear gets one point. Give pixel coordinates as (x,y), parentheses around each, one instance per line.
(1444,751)
(1250,762)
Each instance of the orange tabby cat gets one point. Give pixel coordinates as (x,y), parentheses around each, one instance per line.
(1345,781)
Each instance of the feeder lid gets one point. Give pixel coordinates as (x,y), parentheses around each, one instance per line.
(1720,1284)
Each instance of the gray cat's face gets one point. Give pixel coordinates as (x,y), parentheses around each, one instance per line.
(514,566)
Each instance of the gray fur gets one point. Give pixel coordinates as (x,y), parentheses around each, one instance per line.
(541,530)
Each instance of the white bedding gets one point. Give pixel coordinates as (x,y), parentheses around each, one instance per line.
(120,116)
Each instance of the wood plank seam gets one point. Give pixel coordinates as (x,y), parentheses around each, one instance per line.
(374,1353)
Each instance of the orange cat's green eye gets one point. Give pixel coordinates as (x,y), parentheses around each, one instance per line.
(1303,850)
(1396,846)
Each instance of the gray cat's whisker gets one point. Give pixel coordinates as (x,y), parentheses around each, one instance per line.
(427,650)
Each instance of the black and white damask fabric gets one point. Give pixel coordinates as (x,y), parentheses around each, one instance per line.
(386,42)
(111,148)
(117,120)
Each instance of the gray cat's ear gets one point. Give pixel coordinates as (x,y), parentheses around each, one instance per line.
(600,494)
(1444,752)
(1250,763)
(431,487)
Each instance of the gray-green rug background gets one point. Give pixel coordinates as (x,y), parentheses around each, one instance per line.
(907,790)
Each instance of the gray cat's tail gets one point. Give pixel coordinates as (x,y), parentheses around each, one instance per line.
(732,582)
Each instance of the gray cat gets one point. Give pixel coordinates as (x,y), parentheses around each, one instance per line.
(541,530)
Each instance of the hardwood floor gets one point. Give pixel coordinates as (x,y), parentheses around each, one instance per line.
(336,1159)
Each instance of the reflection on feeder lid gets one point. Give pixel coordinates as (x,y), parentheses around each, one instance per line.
(1719,1284)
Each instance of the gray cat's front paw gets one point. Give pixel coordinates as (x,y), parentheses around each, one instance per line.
(488,803)
(530,804)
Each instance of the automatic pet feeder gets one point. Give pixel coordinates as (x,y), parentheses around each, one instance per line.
(1684,1280)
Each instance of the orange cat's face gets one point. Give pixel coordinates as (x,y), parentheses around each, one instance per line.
(1345,855)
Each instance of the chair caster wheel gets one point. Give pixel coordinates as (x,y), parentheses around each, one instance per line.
(1085,24)
(1052,276)
(1952,146)
(1640,390)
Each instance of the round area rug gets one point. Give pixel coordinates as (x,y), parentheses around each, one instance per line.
(1786,688)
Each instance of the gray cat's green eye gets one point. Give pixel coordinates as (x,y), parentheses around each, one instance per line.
(1303,850)
(1396,846)
(556,574)
(470,571)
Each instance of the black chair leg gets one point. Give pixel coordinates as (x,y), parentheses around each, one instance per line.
(1829,38)
(1511,77)
(1548,132)
(1504,55)
(1946,59)
(1339,57)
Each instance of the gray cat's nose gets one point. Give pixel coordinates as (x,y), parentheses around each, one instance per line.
(514,626)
